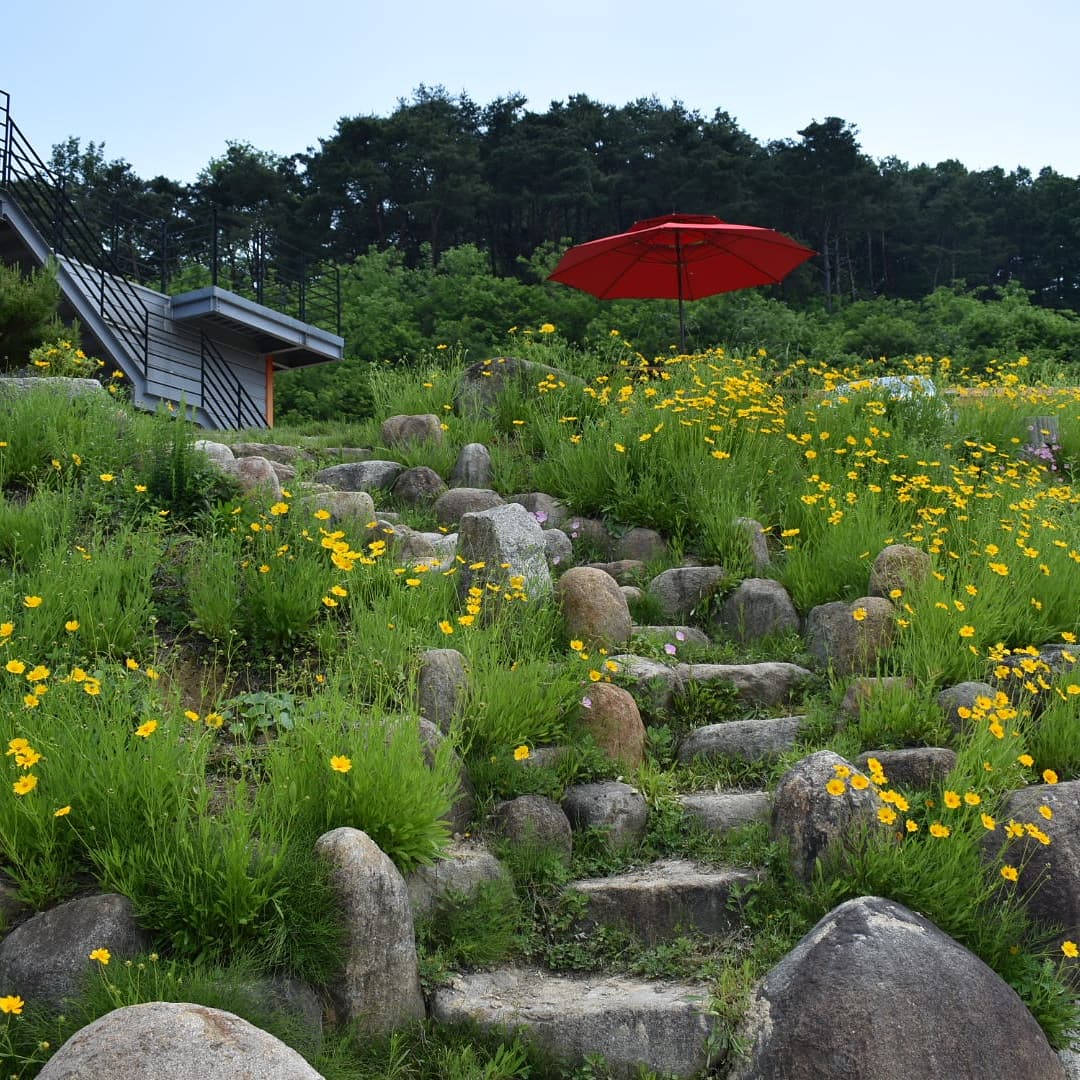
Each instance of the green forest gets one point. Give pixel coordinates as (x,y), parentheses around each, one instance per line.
(444,218)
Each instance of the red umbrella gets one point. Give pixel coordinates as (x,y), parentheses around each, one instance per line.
(679,256)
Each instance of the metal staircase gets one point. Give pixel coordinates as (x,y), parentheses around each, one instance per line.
(164,345)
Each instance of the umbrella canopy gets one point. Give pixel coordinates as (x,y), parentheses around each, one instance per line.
(679,256)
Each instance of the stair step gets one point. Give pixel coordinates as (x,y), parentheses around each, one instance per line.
(722,811)
(663,1026)
(661,899)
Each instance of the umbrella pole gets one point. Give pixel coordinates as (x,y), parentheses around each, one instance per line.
(678,275)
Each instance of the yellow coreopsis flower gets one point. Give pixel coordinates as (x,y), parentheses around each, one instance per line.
(25,784)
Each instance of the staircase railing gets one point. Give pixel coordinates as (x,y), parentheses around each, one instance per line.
(224,399)
(41,196)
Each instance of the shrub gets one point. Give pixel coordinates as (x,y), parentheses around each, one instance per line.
(28,314)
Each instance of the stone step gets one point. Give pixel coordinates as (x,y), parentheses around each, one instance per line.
(745,740)
(659,900)
(722,811)
(663,1026)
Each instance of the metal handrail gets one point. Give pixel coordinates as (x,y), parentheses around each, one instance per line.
(224,399)
(41,196)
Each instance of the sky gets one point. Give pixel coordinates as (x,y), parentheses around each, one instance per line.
(166,87)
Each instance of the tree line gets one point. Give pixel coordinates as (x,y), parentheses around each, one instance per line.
(441,172)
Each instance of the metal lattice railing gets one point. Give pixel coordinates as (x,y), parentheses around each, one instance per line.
(39,193)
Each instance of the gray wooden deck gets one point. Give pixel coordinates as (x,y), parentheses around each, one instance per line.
(210,351)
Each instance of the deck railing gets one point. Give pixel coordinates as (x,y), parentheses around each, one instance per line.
(40,195)
(105,265)
(224,400)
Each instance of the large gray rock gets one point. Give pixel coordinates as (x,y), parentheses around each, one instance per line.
(165,1040)
(681,590)
(503,535)
(464,805)
(664,899)
(611,805)
(850,638)
(1070,1060)
(877,992)
(592,606)
(557,548)
(218,452)
(410,430)
(899,566)
(450,505)
(614,721)
(653,683)
(744,740)
(549,512)
(632,1023)
(914,769)
(770,683)
(340,505)
(472,469)
(441,686)
(46,959)
(407,545)
(286,474)
(810,819)
(624,571)
(756,541)
(284,455)
(254,474)
(722,811)
(463,867)
(966,703)
(418,486)
(60,385)
(360,475)
(590,538)
(640,545)
(535,820)
(758,608)
(1049,873)
(379,988)
(483,382)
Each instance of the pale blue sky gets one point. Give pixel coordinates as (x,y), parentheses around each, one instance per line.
(165,86)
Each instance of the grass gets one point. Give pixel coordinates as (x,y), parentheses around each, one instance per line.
(194,685)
